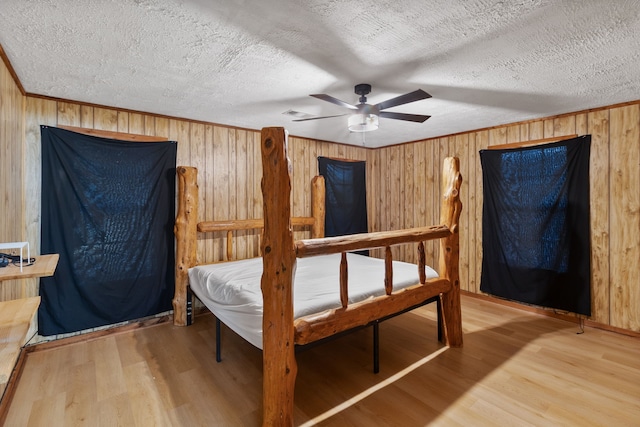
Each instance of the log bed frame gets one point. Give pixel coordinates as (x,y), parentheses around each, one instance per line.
(281,333)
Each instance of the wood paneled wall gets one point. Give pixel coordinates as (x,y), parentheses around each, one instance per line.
(11,176)
(403,184)
(614,186)
(228,161)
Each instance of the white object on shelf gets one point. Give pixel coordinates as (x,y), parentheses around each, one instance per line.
(17,245)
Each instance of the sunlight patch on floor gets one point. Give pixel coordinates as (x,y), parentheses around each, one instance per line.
(366,393)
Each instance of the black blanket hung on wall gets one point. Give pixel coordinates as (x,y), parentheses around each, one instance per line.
(535,225)
(108,210)
(346,197)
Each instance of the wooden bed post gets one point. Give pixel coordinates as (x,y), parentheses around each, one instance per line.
(450,250)
(317,206)
(185,230)
(279,263)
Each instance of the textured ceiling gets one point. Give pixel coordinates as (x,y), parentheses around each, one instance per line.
(245,62)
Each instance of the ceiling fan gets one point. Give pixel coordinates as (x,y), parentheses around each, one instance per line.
(364,117)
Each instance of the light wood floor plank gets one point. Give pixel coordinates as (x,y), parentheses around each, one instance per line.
(113,411)
(516,368)
(81,395)
(46,409)
(110,380)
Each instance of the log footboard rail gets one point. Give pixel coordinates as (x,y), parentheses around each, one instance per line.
(279,253)
(281,332)
(318,326)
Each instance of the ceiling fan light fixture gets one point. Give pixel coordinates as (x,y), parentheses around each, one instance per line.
(363,122)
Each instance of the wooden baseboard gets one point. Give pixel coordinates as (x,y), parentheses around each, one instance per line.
(569,317)
(89,336)
(133,325)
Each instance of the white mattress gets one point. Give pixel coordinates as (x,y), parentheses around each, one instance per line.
(231,290)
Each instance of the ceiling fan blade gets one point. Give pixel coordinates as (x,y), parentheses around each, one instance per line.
(298,114)
(316,118)
(402,116)
(333,100)
(416,95)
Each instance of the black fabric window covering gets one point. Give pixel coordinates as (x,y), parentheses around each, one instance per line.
(346,197)
(108,210)
(535,225)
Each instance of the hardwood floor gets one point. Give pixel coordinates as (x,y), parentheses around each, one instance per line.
(515,369)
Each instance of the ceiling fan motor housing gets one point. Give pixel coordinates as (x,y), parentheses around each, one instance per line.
(363,89)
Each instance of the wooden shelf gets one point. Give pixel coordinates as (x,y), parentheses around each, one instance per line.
(45,265)
(18,317)
(17,325)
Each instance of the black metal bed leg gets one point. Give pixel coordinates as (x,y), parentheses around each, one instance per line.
(440,323)
(218,342)
(376,347)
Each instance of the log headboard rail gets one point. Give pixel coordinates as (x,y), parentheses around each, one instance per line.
(186,229)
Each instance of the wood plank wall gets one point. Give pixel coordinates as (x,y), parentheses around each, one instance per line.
(11,177)
(614,188)
(403,183)
(228,160)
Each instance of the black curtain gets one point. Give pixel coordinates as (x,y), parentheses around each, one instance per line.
(346,197)
(535,225)
(108,210)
